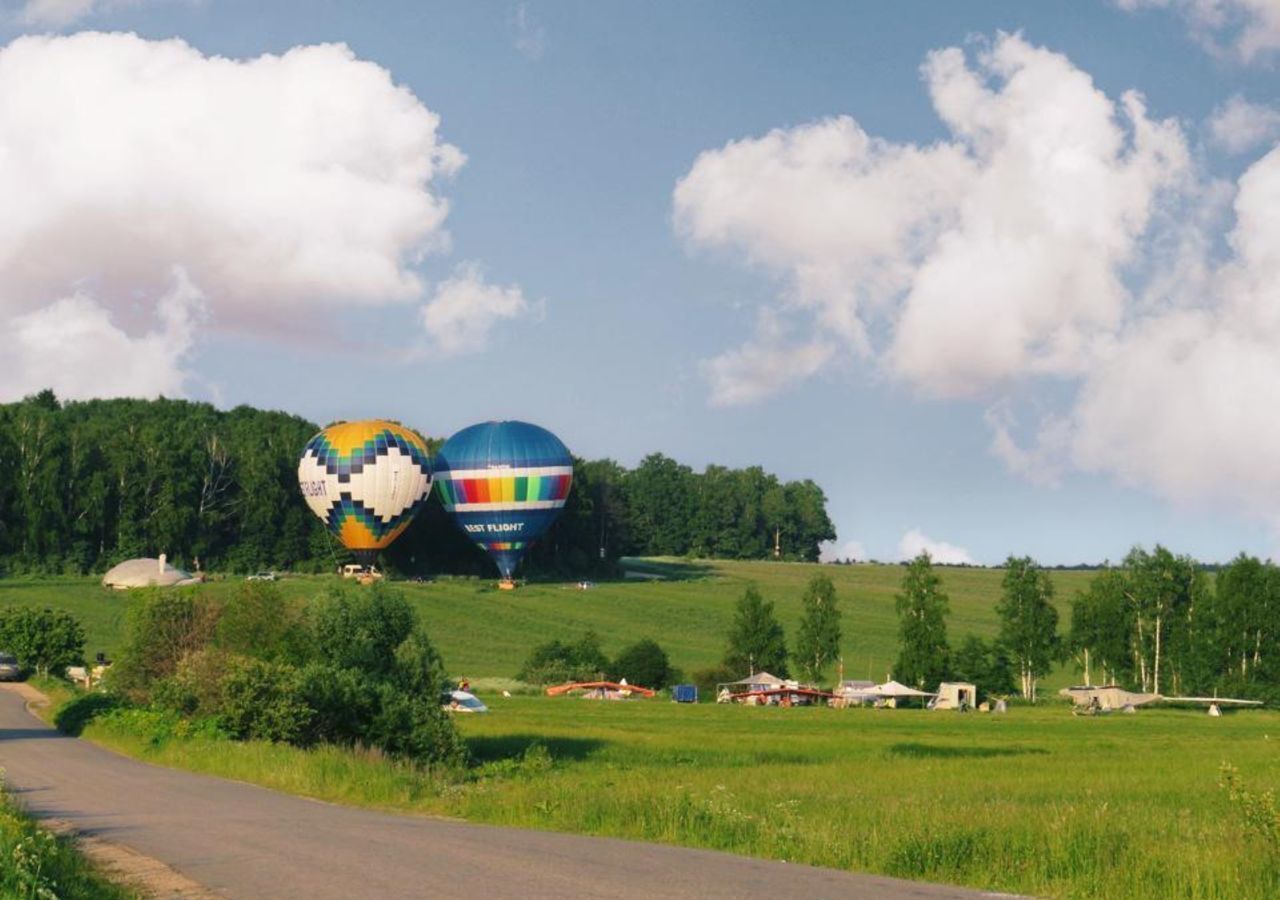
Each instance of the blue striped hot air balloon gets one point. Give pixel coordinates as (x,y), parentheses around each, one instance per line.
(504,483)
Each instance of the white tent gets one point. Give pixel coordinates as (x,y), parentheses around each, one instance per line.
(145,572)
(760,681)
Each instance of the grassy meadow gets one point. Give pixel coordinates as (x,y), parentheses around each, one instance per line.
(1037,802)
(486,633)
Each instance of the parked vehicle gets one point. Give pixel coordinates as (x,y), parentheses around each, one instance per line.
(9,668)
(463,702)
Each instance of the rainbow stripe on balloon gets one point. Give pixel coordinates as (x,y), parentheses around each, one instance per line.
(546,487)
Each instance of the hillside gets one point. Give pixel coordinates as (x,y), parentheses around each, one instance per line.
(483,632)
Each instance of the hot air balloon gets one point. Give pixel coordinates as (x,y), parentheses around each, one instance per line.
(504,483)
(366,481)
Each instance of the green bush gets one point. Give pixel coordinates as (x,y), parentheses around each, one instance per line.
(643,663)
(555,661)
(162,628)
(343,703)
(361,628)
(265,701)
(415,727)
(259,621)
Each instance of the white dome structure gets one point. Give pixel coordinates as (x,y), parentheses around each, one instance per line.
(145,572)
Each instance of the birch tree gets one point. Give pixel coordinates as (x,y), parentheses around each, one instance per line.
(1028,621)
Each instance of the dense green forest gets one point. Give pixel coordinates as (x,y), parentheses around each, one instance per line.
(84,485)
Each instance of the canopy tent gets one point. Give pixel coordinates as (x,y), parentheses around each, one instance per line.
(752,684)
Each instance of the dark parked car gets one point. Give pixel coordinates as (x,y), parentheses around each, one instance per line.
(9,668)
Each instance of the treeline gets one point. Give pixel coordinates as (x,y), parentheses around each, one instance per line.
(1157,623)
(84,485)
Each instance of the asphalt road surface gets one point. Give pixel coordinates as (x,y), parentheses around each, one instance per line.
(244,841)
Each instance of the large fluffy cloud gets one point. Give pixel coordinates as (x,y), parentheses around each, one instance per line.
(1180,401)
(284,187)
(989,256)
(1060,239)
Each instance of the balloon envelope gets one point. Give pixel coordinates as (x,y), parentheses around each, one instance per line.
(366,481)
(504,483)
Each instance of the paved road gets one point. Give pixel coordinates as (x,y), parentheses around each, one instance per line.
(249,842)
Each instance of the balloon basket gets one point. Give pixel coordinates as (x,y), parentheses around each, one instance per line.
(506,585)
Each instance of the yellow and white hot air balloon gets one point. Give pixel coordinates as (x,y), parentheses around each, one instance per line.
(366,481)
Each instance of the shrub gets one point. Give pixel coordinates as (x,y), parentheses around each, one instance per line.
(195,688)
(343,703)
(259,621)
(1259,812)
(265,701)
(415,727)
(556,661)
(161,629)
(643,663)
(361,629)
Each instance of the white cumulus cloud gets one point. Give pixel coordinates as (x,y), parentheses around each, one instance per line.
(465,309)
(1060,248)
(1246,29)
(985,258)
(1239,126)
(285,187)
(74,347)
(915,542)
(1180,401)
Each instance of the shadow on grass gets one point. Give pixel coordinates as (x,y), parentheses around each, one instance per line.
(77,713)
(515,746)
(940,751)
(637,569)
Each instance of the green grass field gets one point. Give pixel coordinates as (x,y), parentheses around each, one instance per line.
(1038,801)
(483,632)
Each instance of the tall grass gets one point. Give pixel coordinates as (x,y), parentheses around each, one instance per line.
(35,865)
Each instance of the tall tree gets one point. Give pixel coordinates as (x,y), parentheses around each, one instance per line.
(818,640)
(1101,626)
(1028,621)
(756,639)
(1164,591)
(924,656)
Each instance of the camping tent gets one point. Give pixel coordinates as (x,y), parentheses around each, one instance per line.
(138,573)
(754,683)
(891,692)
(956,695)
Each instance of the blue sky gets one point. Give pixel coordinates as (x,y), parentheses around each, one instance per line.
(572,284)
